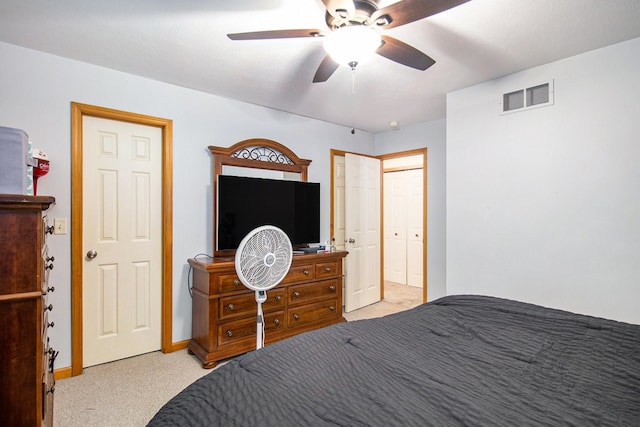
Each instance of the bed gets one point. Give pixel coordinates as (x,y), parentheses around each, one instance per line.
(459,360)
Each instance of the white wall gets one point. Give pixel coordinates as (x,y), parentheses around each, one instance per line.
(432,136)
(544,205)
(36,91)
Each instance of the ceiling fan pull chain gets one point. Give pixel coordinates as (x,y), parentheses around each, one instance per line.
(353,80)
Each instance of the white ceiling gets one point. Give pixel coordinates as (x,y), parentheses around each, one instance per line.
(184,42)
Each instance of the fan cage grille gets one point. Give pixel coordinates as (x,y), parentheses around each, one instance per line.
(263,258)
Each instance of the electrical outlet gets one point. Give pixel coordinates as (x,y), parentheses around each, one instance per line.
(60,226)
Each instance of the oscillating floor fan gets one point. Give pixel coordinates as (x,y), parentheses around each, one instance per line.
(262,260)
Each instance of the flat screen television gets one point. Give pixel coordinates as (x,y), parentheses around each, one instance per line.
(245,203)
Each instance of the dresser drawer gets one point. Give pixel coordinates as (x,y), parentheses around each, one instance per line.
(46,324)
(47,266)
(48,390)
(216,283)
(44,328)
(44,361)
(300,273)
(245,304)
(305,314)
(309,292)
(48,386)
(228,283)
(47,308)
(232,332)
(326,269)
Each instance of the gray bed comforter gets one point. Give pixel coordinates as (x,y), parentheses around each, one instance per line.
(457,361)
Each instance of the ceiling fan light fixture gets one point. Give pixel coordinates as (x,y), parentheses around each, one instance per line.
(352,44)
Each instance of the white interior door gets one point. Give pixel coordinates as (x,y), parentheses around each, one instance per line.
(122,230)
(362,231)
(415,228)
(338,202)
(338,238)
(395,227)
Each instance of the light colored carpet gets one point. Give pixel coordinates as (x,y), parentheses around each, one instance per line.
(129,392)
(397,297)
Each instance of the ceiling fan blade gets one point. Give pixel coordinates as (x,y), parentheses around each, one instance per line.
(274,34)
(340,8)
(327,67)
(404,54)
(406,11)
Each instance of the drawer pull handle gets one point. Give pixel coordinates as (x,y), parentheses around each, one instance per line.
(276,322)
(332,288)
(51,258)
(327,269)
(332,308)
(236,282)
(306,272)
(49,307)
(49,230)
(51,289)
(52,360)
(229,333)
(296,316)
(296,294)
(51,325)
(231,307)
(278,298)
(49,266)
(51,390)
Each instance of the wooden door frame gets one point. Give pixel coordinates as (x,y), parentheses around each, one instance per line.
(382,157)
(78,112)
(423,153)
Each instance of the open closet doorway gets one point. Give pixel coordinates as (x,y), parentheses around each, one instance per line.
(416,239)
(404,208)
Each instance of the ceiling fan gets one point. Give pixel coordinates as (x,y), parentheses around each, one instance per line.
(356,24)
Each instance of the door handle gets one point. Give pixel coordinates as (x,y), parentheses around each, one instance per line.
(91,254)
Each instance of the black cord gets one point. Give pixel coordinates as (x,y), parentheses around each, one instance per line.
(189,286)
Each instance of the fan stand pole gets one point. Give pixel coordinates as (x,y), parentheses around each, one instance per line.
(259,328)
(261,296)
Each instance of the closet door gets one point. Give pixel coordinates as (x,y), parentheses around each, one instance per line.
(403,227)
(395,227)
(415,238)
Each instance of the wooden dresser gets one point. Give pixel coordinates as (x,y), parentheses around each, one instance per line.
(26,359)
(224,310)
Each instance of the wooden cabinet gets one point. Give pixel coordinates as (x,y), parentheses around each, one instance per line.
(26,359)
(224,310)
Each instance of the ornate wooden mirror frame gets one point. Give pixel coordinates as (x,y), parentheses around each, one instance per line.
(255,153)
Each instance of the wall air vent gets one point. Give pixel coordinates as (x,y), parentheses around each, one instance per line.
(532,97)
(513,100)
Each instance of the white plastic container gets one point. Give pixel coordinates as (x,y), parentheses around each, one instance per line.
(15,162)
